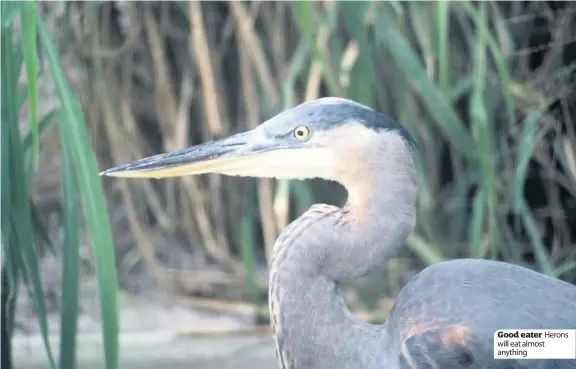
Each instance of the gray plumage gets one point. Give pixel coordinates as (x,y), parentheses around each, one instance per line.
(445,317)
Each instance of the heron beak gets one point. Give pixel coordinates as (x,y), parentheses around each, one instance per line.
(235,155)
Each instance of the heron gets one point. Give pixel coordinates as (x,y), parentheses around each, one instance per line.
(444,317)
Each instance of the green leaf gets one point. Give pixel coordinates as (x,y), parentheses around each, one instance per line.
(70,260)
(92,198)
(540,252)
(421,17)
(304,15)
(463,86)
(563,269)
(297,65)
(29,47)
(566,159)
(427,252)
(442,41)
(17,206)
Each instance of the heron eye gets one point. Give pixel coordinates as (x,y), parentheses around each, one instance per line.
(301,133)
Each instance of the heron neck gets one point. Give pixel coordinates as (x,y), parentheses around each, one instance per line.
(311,323)
(309,317)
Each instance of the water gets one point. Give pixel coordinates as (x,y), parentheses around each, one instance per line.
(148,350)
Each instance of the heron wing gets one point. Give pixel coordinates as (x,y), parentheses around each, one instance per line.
(446,348)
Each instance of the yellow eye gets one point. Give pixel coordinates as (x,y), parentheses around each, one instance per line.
(301,133)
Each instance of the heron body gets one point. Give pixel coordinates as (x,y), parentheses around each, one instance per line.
(445,317)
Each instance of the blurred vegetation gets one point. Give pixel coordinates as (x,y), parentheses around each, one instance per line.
(486,88)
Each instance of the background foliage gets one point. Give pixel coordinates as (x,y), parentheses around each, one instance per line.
(486,88)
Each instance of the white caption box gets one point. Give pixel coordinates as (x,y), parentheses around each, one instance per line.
(535,344)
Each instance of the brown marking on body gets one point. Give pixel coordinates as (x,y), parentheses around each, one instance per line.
(280,294)
(456,335)
(449,336)
(414,328)
(424,324)
(275,308)
(417,329)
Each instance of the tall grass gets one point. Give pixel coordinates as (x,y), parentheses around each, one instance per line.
(24,33)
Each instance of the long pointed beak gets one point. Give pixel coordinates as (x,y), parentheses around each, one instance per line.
(232,156)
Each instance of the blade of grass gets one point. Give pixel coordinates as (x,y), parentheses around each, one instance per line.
(425,251)
(501,66)
(297,65)
(7,119)
(303,13)
(92,199)
(70,260)
(541,256)
(483,129)
(567,158)
(18,205)
(563,269)
(461,87)
(9,263)
(442,40)
(29,47)
(465,23)
(421,19)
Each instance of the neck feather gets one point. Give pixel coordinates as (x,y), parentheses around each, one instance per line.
(311,323)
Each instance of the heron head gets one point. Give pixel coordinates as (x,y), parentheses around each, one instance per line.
(328,138)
